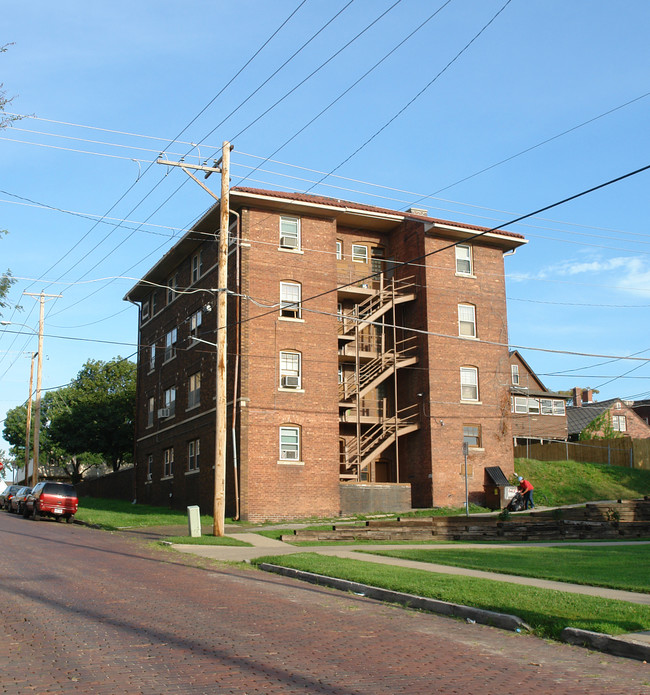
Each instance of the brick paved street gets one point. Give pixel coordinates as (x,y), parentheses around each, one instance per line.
(85,611)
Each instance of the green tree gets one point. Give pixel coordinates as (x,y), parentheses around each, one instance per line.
(600,428)
(95,413)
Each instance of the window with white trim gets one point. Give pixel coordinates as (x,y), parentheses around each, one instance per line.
(194,390)
(151,410)
(169,398)
(546,406)
(558,408)
(521,405)
(289,443)
(514,374)
(290,233)
(168,462)
(339,250)
(467,320)
(170,344)
(290,298)
(172,287)
(146,307)
(290,372)
(469,384)
(533,406)
(195,324)
(359,253)
(463,259)
(193,453)
(197,266)
(152,357)
(619,423)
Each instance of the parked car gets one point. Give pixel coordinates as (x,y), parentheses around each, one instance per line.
(57,500)
(5,497)
(17,502)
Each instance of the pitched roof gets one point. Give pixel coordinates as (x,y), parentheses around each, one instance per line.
(579,417)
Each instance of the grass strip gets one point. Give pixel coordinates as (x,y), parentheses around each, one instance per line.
(622,567)
(547,612)
(207,540)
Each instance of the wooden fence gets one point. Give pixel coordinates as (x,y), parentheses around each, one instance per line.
(623,451)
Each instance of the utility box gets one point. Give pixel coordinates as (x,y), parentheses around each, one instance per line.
(497,488)
(194,521)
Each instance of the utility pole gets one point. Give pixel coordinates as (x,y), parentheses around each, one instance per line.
(29,416)
(39,373)
(220,166)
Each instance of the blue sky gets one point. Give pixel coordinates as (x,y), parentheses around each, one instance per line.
(110,86)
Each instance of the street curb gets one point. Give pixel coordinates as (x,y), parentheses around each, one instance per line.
(618,646)
(455,610)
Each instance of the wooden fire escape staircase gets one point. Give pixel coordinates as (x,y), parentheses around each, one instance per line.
(370,442)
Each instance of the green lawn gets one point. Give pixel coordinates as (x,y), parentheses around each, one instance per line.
(617,567)
(547,612)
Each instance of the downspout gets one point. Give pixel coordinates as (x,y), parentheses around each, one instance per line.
(235,401)
(136,415)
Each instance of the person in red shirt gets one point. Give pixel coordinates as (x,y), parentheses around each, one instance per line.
(526,488)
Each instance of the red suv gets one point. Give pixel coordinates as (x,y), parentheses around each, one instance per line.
(58,500)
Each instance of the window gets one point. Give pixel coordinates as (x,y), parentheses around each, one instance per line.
(339,250)
(558,408)
(469,384)
(170,344)
(359,253)
(195,324)
(340,373)
(533,406)
(146,305)
(168,462)
(193,452)
(618,423)
(289,444)
(463,259)
(152,357)
(472,436)
(514,372)
(467,320)
(290,370)
(154,303)
(521,405)
(290,300)
(197,266)
(170,401)
(149,467)
(151,409)
(194,390)
(546,406)
(290,233)
(172,286)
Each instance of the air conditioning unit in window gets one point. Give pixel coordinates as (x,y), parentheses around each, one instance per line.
(290,382)
(163,412)
(288,242)
(291,455)
(149,477)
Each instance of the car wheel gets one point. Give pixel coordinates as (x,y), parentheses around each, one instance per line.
(69,519)
(25,512)
(36,515)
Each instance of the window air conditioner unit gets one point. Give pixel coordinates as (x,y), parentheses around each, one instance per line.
(290,455)
(149,477)
(290,382)
(163,412)
(288,242)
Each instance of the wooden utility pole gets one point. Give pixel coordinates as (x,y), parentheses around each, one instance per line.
(221,166)
(222,348)
(39,374)
(29,416)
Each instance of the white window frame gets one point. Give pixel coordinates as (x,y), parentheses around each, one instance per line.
(196,319)
(467,320)
(169,397)
(171,338)
(152,357)
(193,455)
(290,307)
(469,391)
(533,406)
(546,406)
(339,250)
(514,374)
(464,257)
(197,266)
(172,287)
(290,366)
(619,423)
(194,390)
(359,253)
(168,462)
(289,450)
(146,310)
(290,233)
(559,407)
(520,405)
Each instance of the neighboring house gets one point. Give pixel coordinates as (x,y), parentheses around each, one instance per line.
(642,409)
(538,415)
(351,373)
(617,416)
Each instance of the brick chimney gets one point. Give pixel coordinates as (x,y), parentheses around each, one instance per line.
(577,397)
(587,396)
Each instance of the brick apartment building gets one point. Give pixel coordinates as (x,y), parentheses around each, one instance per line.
(538,415)
(353,378)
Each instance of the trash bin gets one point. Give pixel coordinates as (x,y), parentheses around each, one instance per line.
(497,488)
